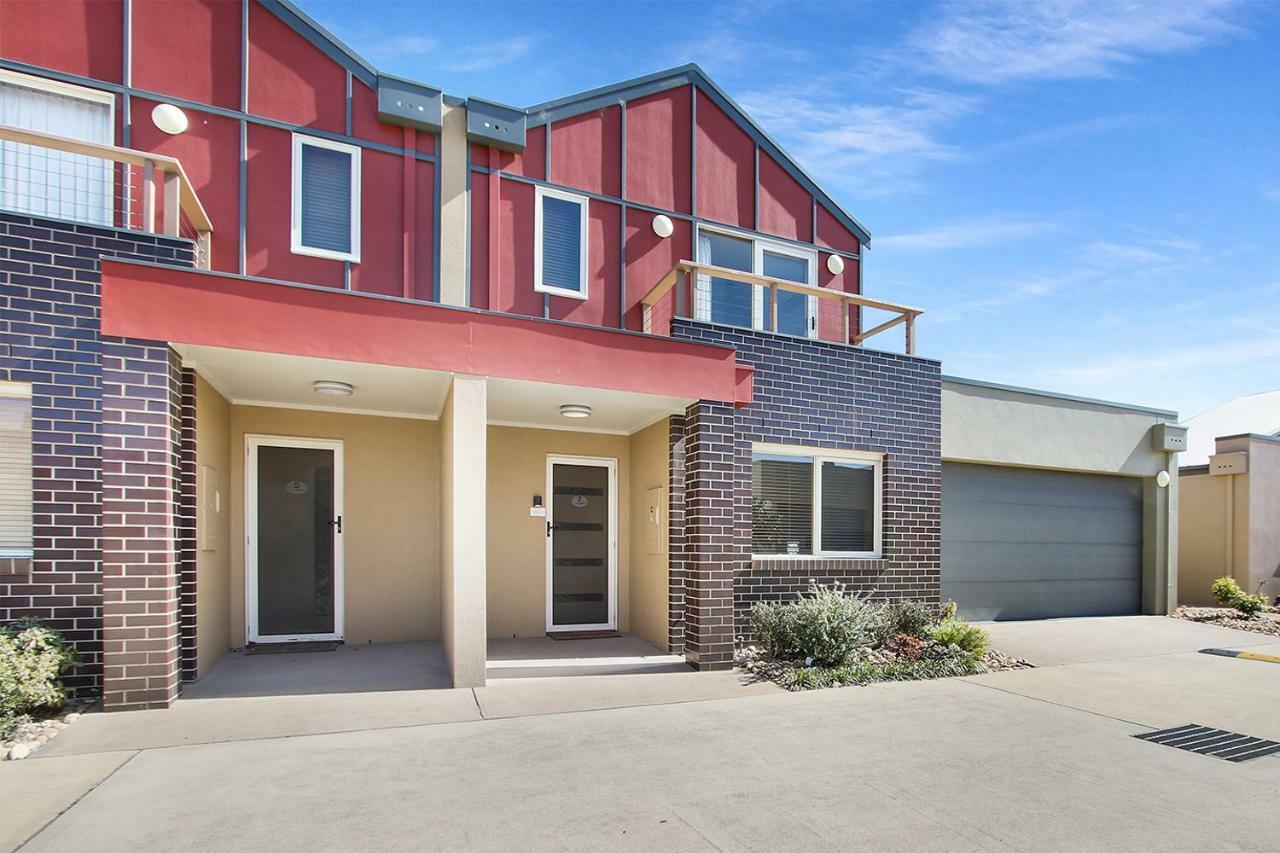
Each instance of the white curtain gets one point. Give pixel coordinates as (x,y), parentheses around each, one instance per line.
(702,291)
(53,183)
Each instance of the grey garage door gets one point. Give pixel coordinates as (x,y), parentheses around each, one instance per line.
(1023,543)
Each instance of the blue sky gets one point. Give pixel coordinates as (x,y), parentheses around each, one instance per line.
(1083,197)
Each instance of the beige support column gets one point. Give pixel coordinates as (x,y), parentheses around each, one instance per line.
(463,438)
(453,207)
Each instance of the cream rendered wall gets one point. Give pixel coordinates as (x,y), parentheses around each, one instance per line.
(1264,515)
(453,206)
(517,548)
(463,519)
(649,571)
(391,523)
(1213,533)
(213,532)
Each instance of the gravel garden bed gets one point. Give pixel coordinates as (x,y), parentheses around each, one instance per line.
(1266,622)
(29,736)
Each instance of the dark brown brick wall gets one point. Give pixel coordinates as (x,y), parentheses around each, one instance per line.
(675,536)
(827,395)
(49,336)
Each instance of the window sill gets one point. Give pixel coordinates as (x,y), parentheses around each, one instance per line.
(870,555)
(559,291)
(327,254)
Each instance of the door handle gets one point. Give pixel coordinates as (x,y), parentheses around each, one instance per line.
(550,527)
(337,523)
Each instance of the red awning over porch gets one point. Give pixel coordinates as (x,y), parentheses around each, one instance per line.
(162,303)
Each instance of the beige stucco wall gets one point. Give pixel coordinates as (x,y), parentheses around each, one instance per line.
(463,521)
(391,522)
(213,522)
(453,206)
(649,566)
(517,567)
(1008,426)
(1264,516)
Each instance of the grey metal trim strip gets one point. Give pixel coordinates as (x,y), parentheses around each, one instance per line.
(333,47)
(755,191)
(674,214)
(594,99)
(435,232)
(211,109)
(243,264)
(546,154)
(977,383)
(244,57)
(467,261)
(359,294)
(1193,470)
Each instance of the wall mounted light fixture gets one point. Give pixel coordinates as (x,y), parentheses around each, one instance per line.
(835,264)
(575,410)
(170,119)
(663,226)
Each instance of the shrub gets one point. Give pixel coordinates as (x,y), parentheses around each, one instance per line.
(810,678)
(33,659)
(1229,594)
(827,625)
(907,646)
(959,633)
(906,617)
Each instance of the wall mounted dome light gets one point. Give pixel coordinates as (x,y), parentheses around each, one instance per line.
(575,410)
(835,264)
(170,119)
(330,388)
(663,226)
(1162,479)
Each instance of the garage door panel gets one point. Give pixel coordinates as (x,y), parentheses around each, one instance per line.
(1024,543)
(1044,599)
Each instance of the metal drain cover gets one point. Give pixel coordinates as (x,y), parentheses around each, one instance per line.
(1228,746)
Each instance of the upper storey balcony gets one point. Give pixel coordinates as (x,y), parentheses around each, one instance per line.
(44,174)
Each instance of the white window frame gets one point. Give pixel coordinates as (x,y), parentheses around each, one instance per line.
(759,245)
(296,244)
(21,391)
(583,242)
(818,455)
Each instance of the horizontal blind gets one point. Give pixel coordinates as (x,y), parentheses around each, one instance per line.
(781,504)
(848,506)
(15,474)
(326,199)
(561,243)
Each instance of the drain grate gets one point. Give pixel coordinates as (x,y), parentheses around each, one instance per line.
(1228,746)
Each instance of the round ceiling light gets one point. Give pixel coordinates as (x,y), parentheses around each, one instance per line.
(835,264)
(170,119)
(574,410)
(330,388)
(663,226)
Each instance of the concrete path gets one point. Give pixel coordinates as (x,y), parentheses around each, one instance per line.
(1036,759)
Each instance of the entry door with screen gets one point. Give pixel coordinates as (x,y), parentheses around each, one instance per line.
(580,545)
(295,545)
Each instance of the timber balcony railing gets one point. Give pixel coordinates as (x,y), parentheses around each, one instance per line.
(42,174)
(693,284)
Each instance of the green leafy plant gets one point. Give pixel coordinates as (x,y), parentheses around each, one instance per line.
(811,678)
(959,633)
(906,617)
(33,659)
(907,646)
(1229,594)
(826,626)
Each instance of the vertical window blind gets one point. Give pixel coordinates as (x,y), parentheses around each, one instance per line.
(15,472)
(326,198)
(561,243)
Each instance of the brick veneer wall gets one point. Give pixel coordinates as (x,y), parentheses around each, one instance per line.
(49,337)
(827,395)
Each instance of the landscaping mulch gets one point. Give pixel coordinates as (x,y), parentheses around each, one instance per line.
(1266,622)
(32,735)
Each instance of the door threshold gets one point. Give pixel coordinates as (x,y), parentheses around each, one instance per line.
(292,647)
(582,635)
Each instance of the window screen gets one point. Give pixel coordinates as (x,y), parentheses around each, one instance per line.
(561,243)
(326,199)
(781,504)
(848,506)
(15,475)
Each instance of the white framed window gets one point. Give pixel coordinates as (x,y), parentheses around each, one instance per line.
(15,470)
(560,243)
(809,502)
(44,182)
(735,303)
(326,199)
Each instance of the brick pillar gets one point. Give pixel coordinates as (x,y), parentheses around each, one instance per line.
(185,513)
(141,443)
(710,550)
(675,535)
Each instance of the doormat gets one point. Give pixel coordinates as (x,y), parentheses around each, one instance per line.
(1228,746)
(582,635)
(290,648)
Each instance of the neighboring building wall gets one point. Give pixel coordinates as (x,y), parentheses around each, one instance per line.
(214,634)
(517,552)
(391,525)
(650,587)
(49,338)
(998,425)
(815,394)
(1264,515)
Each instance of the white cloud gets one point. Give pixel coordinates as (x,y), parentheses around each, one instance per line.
(1169,362)
(404,46)
(1106,252)
(969,234)
(492,55)
(1004,40)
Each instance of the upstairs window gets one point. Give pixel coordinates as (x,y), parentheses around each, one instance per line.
(326,199)
(15,469)
(823,503)
(560,244)
(720,299)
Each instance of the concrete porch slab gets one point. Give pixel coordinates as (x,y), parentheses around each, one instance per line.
(542,657)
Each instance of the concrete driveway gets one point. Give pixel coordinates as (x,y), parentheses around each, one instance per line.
(1037,759)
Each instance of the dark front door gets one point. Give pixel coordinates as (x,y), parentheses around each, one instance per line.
(580,546)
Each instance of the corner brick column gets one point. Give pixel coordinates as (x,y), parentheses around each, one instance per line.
(675,535)
(141,475)
(186,527)
(710,550)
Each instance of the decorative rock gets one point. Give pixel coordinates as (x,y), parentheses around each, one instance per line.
(19,751)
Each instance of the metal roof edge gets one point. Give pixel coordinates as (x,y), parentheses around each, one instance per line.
(1054,395)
